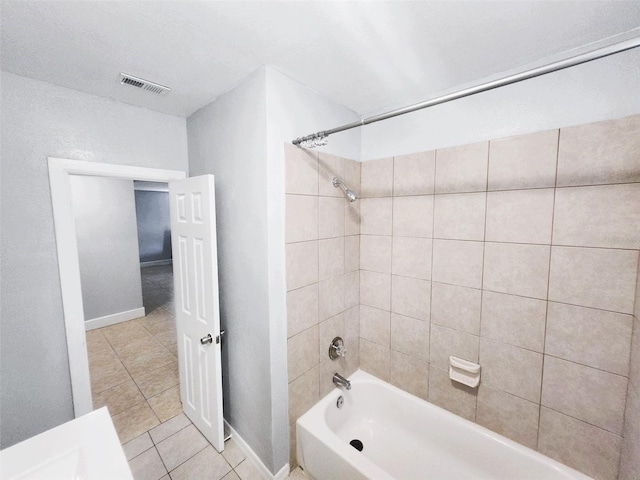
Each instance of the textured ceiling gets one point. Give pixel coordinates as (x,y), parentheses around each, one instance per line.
(368,56)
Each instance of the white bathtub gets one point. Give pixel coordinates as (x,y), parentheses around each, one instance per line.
(406,438)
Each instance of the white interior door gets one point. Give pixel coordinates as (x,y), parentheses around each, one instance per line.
(195,264)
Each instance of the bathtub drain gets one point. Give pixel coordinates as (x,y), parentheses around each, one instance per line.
(357,444)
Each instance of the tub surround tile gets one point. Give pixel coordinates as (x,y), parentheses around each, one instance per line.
(375,253)
(585,393)
(410,336)
(520,216)
(303,352)
(579,445)
(351,253)
(304,392)
(302,309)
(352,175)
(600,153)
(329,166)
(166,404)
(352,218)
(375,325)
(330,258)
(328,330)
(375,216)
(462,168)
(511,369)
(516,269)
(414,174)
(591,337)
(413,216)
(410,297)
(630,460)
(376,178)
(518,321)
(302,264)
(459,216)
(411,257)
(523,161)
(508,415)
(375,359)
(456,307)
(375,290)
(450,395)
(293,460)
(331,297)
(147,466)
(445,342)
(594,277)
(351,289)
(410,374)
(606,216)
(301,218)
(458,262)
(301,170)
(331,217)
(181,446)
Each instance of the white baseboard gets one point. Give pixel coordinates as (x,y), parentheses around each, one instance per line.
(154,263)
(253,458)
(114,318)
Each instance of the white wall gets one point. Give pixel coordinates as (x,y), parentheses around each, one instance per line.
(106,231)
(40,120)
(599,90)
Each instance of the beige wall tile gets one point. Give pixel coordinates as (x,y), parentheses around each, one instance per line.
(511,369)
(330,217)
(525,161)
(410,336)
(351,253)
(375,253)
(445,342)
(518,321)
(517,269)
(590,395)
(330,257)
(458,262)
(508,415)
(304,393)
(351,289)
(410,374)
(456,307)
(594,277)
(410,297)
(520,216)
(584,447)
(302,352)
(301,170)
(352,217)
(462,169)
(450,395)
(331,297)
(603,152)
(459,216)
(375,359)
(302,309)
(352,171)
(411,257)
(634,362)
(414,174)
(630,460)
(605,216)
(329,166)
(588,336)
(302,264)
(330,329)
(376,178)
(375,215)
(375,290)
(413,216)
(375,325)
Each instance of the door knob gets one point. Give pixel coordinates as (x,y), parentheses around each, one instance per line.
(207,339)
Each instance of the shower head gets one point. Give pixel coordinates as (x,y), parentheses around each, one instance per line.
(351,195)
(312,141)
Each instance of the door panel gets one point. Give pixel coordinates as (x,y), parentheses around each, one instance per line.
(193,238)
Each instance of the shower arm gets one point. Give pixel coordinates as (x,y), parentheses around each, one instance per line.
(319,138)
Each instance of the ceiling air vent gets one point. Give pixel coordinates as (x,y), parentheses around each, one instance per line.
(126,79)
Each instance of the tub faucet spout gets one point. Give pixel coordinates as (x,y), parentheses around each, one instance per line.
(340,381)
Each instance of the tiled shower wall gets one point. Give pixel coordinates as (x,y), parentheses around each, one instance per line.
(520,254)
(323,255)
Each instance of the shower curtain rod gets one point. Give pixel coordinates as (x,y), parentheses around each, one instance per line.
(319,138)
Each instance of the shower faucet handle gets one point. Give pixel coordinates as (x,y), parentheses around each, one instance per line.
(337,349)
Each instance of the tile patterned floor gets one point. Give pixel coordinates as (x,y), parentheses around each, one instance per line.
(134,372)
